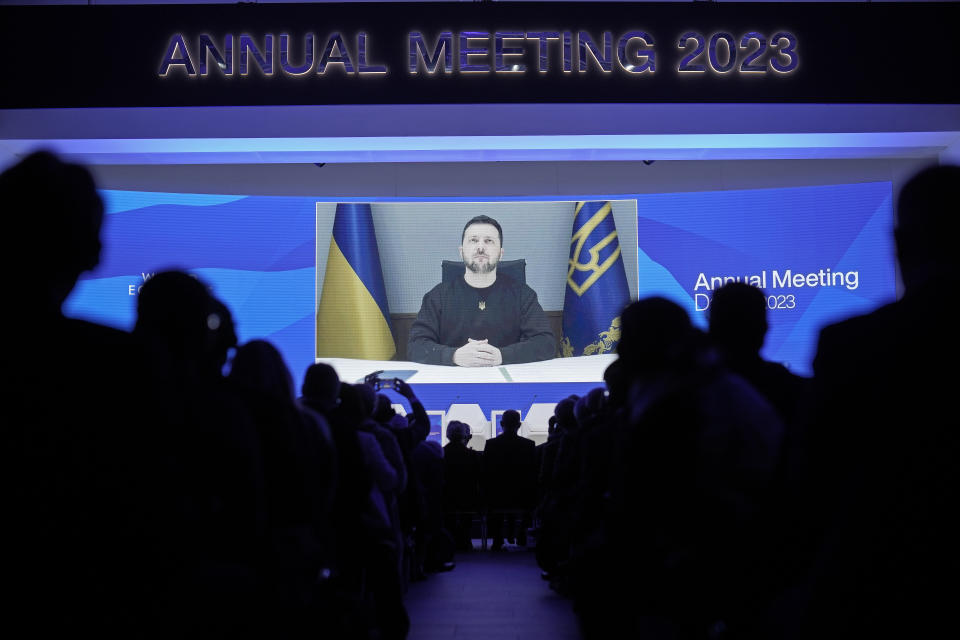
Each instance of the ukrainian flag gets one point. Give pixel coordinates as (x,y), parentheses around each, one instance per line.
(597,288)
(352,318)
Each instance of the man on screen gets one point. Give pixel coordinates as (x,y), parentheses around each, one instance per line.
(484,318)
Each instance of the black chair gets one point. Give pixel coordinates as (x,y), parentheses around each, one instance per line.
(515,269)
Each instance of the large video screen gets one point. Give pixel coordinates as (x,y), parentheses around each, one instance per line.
(349,282)
(510,291)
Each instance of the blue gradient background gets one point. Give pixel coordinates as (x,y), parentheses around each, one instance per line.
(738,233)
(258,253)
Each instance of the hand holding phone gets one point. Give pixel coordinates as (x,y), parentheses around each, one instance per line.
(373,379)
(404,389)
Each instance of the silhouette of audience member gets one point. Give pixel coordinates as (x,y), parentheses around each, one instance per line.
(541,448)
(319,397)
(321,388)
(565,423)
(367,550)
(209,510)
(299,467)
(383,458)
(699,445)
(461,489)
(509,481)
(738,326)
(883,451)
(557,504)
(434,546)
(387,471)
(323,394)
(383,414)
(408,432)
(551,433)
(596,440)
(55,210)
(68,401)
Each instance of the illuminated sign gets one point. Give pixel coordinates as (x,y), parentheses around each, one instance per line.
(379,53)
(336,53)
(632,52)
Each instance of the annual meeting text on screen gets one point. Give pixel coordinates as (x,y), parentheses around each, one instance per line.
(631,52)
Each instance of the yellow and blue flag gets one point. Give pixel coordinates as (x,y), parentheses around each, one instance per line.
(353,320)
(597,288)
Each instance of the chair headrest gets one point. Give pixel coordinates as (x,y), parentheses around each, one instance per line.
(515,269)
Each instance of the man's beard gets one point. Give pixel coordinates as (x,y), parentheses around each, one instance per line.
(477,267)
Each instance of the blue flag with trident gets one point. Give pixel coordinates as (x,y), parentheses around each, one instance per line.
(597,288)
(352,317)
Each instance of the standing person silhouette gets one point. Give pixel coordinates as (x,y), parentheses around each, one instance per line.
(510,475)
(883,445)
(69,445)
(738,327)
(461,488)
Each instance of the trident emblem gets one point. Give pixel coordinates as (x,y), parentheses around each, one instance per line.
(593,266)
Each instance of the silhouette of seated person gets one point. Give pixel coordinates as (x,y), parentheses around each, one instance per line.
(461,488)
(68,401)
(509,481)
(738,326)
(883,449)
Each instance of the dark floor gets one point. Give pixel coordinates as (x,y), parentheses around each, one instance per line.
(490,596)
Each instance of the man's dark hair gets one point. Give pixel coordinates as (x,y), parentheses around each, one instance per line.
(458,432)
(927,225)
(53,213)
(321,386)
(176,309)
(564,413)
(656,336)
(482,220)
(510,420)
(738,317)
(258,366)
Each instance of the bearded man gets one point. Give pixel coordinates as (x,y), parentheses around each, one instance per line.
(483,319)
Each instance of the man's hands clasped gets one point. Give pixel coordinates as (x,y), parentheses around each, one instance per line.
(477,353)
